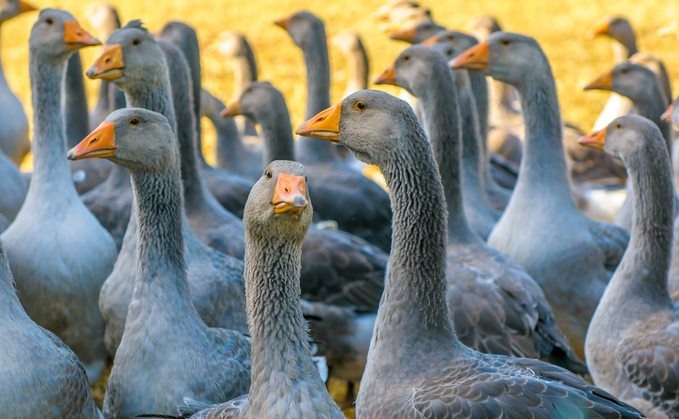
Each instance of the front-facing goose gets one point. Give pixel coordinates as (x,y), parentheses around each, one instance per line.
(59,253)
(285,382)
(166,352)
(571,256)
(417,368)
(633,340)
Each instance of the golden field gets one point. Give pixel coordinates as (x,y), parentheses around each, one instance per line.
(559,25)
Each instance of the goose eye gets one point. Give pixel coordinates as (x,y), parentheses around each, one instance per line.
(134,121)
(361,106)
(268,174)
(450,37)
(624,71)
(618,126)
(49,21)
(135,41)
(505,41)
(406,57)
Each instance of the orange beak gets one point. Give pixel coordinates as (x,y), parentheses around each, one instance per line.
(407,35)
(231,111)
(25,7)
(109,65)
(667,115)
(100,143)
(290,194)
(284,23)
(594,140)
(604,82)
(431,41)
(388,77)
(324,125)
(475,58)
(76,37)
(600,29)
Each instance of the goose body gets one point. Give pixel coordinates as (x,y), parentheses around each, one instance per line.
(416,365)
(571,256)
(632,343)
(58,252)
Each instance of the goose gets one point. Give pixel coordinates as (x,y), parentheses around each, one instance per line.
(395,13)
(41,377)
(486,289)
(230,190)
(58,252)
(416,366)
(166,351)
(104,18)
(86,174)
(672,115)
(14,142)
(569,255)
(632,343)
(285,382)
(349,42)
(418,33)
(234,45)
(370,220)
(498,196)
(215,280)
(638,84)
(619,29)
(231,154)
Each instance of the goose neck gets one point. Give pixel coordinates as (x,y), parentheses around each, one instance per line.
(49,139)
(75,102)
(359,67)
(479,86)
(275,322)
(244,72)
(651,105)
(4,86)
(277,136)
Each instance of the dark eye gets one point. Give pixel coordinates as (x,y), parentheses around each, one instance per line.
(406,57)
(134,121)
(618,126)
(361,106)
(450,37)
(268,174)
(49,21)
(505,41)
(135,41)
(624,71)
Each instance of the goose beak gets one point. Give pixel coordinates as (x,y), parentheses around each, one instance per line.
(157,34)
(600,29)
(388,77)
(75,37)
(324,125)
(407,35)
(231,111)
(594,140)
(475,58)
(109,65)
(100,143)
(290,194)
(25,7)
(284,23)
(431,41)
(667,115)
(604,82)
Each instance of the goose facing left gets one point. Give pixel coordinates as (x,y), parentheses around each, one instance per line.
(40,377)
(59,253)
(14,140)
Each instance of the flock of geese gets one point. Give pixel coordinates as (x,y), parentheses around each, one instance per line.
(474,288)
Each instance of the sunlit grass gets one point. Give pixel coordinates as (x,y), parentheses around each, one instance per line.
(560,26)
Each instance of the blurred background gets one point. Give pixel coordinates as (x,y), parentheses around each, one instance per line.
(560,26)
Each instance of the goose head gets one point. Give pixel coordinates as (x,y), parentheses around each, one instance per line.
(131,56)
(230,44)
(347,41)
(279,204)
(414,68)
(508,57)
(260,101)
(103,17)
(482,26)
(459,40)
(671,115)
(12,8)
(615,27)
(56,35)
(373,125)
(417,33)
(178,33)
(626,79)
(138,139)
(303,27)
(627,138)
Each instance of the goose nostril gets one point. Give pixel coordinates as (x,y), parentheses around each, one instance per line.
(107,60)
(287,190)
(94,140)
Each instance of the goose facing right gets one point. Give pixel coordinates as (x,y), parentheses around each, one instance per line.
(633,340)
(285,382)
(166,351)
(417,368)
(569,255)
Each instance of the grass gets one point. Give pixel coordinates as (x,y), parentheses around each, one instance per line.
(560,26)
